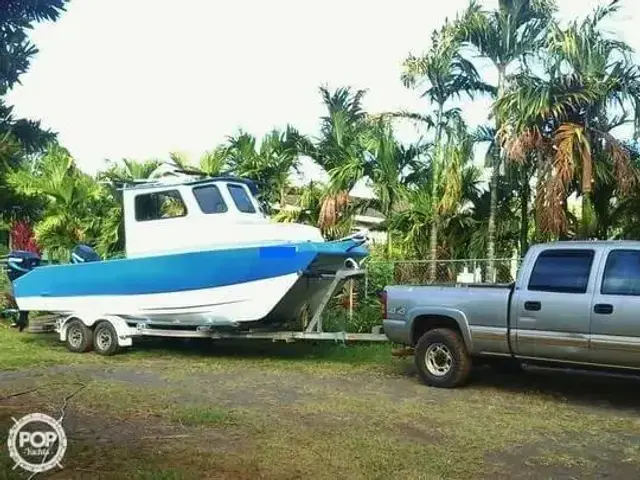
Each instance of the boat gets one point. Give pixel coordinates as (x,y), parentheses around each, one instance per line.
(198,252)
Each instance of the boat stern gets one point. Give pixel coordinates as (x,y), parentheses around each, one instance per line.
(334,263)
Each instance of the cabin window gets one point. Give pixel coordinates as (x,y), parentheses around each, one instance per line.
(210,199)
(159,205)
(562,271)
(622,273)
(241,198)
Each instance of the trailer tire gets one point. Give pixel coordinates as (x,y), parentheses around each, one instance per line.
(79,337)
(442,359)
(105,339)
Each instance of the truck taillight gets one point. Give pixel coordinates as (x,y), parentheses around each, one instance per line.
(383,303)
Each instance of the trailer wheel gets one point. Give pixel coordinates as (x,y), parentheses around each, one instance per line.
(442,359)
(79,337)
(105,339)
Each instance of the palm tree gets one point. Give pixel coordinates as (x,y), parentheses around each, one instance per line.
(447,75)
(270,164)
(391,167)
(129,170)
(567,119)
(20,140)
(212,163)
(339,150)
(308,205)
(77,208)
(504,36)
(453,206)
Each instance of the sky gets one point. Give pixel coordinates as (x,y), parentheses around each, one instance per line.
(139,79)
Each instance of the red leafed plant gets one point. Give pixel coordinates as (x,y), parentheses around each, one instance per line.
(23,238)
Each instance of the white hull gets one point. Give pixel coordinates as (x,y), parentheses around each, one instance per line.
(242,302)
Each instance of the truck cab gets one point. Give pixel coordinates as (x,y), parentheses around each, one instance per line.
(579,302)
(181,215)
(573,304)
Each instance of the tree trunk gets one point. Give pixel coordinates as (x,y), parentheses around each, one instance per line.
(586,217)
(491,229)
(493,188)
(564,235)
(283,198)
(433,231)
(540,176)
(388,211)
(433,252)
(525,193)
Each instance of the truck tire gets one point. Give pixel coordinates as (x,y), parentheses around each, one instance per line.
(79,337)
(105,339)
(442,359)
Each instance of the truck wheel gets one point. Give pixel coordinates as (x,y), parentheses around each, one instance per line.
(79,337)
(105,339)
(442,359)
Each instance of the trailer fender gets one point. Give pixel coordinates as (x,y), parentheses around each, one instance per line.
(122,329)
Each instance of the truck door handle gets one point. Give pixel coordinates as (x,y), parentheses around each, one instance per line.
(603,308)
(535,306)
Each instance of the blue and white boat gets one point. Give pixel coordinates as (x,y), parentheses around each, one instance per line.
(198,252)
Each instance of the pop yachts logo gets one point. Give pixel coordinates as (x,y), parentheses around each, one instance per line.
(37,443)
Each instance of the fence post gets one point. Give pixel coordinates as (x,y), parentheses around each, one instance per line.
(366,282)
(351,301)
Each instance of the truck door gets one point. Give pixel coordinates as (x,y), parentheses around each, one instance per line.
(552,311)
(615,310)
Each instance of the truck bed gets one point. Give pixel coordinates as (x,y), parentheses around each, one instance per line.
(485,306)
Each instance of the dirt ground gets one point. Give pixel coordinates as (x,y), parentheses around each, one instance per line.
(257,412)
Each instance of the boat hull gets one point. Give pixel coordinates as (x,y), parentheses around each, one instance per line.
(216,287)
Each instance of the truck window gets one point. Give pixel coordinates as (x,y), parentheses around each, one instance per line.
(210,199)
(158,205)
(562,271)
(241,198)
(621,273)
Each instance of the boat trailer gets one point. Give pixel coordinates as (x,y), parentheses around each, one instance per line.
(107,334)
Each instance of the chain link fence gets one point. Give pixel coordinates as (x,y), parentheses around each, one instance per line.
(426,272)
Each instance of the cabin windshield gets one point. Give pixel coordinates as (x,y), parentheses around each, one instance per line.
(241,198)
(209,199)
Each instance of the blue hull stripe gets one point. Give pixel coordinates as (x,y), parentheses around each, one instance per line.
(179,272)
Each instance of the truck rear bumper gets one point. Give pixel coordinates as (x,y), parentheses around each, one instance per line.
(397,331)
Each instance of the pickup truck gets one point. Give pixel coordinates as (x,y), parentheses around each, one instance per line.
(573,304)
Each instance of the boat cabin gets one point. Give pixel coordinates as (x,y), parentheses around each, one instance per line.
(218,212)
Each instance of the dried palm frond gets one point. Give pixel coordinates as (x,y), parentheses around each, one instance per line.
(565,142)
(332,206)
(551,216)
(626,174)
(518,146)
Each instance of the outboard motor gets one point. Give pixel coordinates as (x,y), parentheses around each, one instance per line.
(83,254)
(20,262)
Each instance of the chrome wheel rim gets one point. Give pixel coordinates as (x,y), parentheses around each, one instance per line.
(75,337)
(104,339)
(438,359)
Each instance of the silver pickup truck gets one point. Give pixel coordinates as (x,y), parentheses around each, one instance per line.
(572,304)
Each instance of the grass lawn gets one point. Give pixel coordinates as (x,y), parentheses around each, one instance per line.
(260,410)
